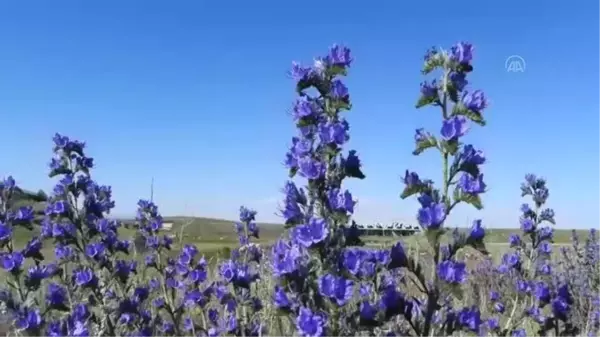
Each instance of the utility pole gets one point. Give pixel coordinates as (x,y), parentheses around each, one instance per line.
(152,190)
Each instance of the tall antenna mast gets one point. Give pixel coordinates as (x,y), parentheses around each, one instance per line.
(152,190)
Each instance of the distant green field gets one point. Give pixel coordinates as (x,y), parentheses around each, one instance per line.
(214,235)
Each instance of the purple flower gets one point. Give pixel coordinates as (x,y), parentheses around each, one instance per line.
(337,289)
(310,324)
(421,135)
(514,240)
(512,260)
(32,249)
(432,216)
(351,260)
(63,252)
(493,323)
(352,162)
(36,274)
(281,299)
(24,214)
(452,272)
(338,56)
(84,277)
(411,179)
(477,231)
(499,307)
(429,90)
(392,301)
(519,333)
(59,207)
(343,291)
(311,233)
(304,108)
(542,292)
(95,250)
(462,53)
(340,201)
(470,155)
(228,270)
(547,215)
(458,80)
(454,128)
(545,269)
(299,72)
(327,285)
(246,215)
(397,256)
(286,258)
(367,311)
(475,101)
(29,319)
(560,308)
(311,168)
(494,296)
(334,133)
(470,318)
(472,185)
(12,261)
(339,90)
(545,233)
(545,248)
(5,232)
(527,225)
(56,295)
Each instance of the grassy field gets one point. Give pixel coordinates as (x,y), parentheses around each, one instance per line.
(216,237)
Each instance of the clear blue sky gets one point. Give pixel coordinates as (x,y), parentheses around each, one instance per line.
(195,94)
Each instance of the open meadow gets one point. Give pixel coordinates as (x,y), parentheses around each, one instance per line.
(216,237)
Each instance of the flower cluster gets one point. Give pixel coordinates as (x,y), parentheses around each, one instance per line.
(462,181)
(539,293)
(312,287)
(96,287)
(580,269)
(86,247)
(318,270)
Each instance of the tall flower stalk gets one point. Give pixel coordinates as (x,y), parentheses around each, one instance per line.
(539,294)
(462,180)
(311,287)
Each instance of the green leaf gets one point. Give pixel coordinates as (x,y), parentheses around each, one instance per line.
(464,68)
(452,92)
(303,85)
(470,199)
(334,106)
(424,145)
(427,100)
(336,71)
(460,109)
(412,190)
(450,147)
(434,62)
(457,291)
(293,172)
